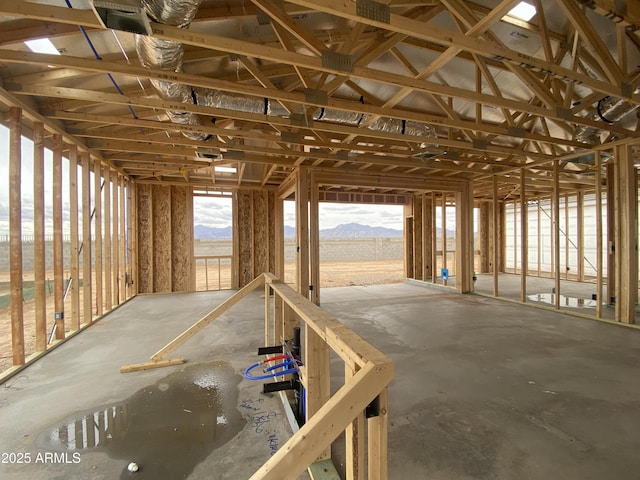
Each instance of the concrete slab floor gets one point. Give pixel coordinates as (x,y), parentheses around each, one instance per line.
(72,415)
(484,389)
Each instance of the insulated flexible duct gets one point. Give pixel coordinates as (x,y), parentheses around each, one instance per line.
(168,55)
(609,110)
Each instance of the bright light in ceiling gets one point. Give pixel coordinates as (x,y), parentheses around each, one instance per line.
(524,11)
(42,45)
(225,169)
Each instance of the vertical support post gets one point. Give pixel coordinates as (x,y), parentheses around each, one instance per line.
(268,319)
(15,235)
(97,199)
(443,221)
(115,241)
(87,299)
(434,249)
(74,242)
(58,261)
(627,243)
(484,233)
(598,165)
(580,234)
(354,437)
(539,236)
(108,295)
(314,239)
(427,246)
(612,222)
(132,238)
(556,231)
(124,240)
(407,239)
(279,238)
(378,429)
(302,230)
(464,238)
(567,243)
(318,387)
(235,266)
(515,238)
(38,237)
(498,235)
(524,236)
(417,238)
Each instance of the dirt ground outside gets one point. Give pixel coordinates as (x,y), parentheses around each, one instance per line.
(332,274)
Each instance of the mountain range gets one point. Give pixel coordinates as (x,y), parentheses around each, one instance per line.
(348,230)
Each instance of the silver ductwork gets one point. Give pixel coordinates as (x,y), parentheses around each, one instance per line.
(168,55)
(608,110)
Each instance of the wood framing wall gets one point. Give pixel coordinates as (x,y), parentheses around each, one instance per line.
(255,237)
(165,239)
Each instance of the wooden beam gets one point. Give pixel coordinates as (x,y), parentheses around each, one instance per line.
(74,247)
(314,239)
(108,297)
(115,240)
(497,236)
(318,377)
(15,235)
(87,293)
(302,231)
(524,237)
(39,265)
(354,437)
(58,260)
(556,232)
(124,239)
(97,189)
(599,242)
(464,239)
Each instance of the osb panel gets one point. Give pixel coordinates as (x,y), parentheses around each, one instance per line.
(260,232)
(271,200)
(161,238)
(181,238)
(145,239)
(245,239)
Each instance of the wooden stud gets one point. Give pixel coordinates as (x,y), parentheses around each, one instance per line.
(39,237)
(314,240)
(115,240)
(464,239)
(302,230)
(514,232)
(443,221)
(318,376)
(87,298)
(556,231)
(378,433)
(539,209)
(627,234)
(122,260)
(132,244)
(354,437)
(417,238)
(599,262)
(108,295)
(484,235)
(15,235)
(235,270)
(407,239)
(434,246)
(567,242)
(497,236)
(97,188)
(145,238)
(612,222)
(427,246)
(580,234)
(58,261)
(524,236)
(74,253)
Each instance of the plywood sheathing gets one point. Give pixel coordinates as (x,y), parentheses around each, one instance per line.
(255,233)
(161,238)
(181,239)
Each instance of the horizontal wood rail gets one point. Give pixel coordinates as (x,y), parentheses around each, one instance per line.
(218,260)
(368,373)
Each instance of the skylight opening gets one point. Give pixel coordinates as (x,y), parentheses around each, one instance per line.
(42,45)
(225,169)
(523,11)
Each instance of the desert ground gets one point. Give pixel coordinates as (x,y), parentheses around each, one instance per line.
(332,274)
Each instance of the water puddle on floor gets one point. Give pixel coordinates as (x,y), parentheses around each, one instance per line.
(166,428)
(571,302)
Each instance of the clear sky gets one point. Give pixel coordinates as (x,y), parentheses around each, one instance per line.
(208,212)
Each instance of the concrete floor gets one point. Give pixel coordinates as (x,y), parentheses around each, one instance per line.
(484,389)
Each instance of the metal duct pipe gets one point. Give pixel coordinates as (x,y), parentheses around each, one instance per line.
(609,110)
(168,55)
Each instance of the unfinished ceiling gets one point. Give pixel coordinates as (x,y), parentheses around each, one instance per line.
(397,92)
